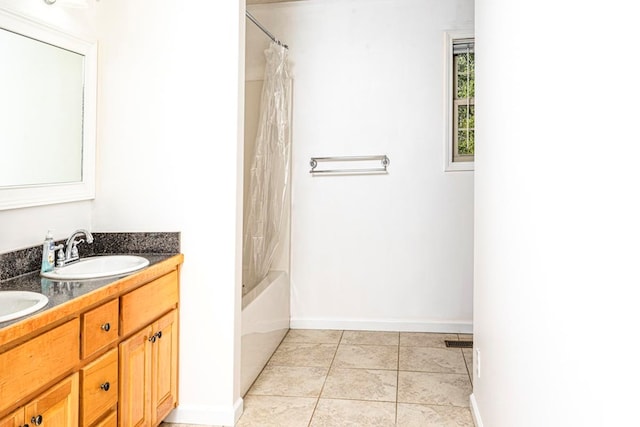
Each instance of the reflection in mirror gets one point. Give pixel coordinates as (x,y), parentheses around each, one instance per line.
(47,114)
(41,112)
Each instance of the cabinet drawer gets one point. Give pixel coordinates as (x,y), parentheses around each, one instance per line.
(99,327)
(99,387)
(38,362)
(142,306)
(110,420)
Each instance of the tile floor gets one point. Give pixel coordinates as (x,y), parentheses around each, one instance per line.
(357,378)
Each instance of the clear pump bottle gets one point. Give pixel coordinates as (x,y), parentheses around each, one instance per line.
(48,253)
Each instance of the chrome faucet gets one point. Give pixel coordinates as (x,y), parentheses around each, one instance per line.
(71,247)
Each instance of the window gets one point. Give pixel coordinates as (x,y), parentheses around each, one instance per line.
(460,101)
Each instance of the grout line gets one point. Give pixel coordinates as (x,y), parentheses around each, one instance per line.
(325,379)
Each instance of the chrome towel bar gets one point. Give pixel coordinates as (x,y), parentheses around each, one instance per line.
(350,161)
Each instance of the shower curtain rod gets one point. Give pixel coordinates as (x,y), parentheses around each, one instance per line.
(264,30)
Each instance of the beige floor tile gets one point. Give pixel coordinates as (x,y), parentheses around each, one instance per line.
(303,354)
(361,384)
(425,339)
(275,411)
(356,413)
(434,388)
(366,356)
(465,337)
(413,415)
(370,337)
(427,359)
(289,381)
(313,336)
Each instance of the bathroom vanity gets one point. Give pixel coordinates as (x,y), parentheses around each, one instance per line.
(102,353)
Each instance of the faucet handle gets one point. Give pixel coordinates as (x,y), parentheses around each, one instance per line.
(59,255)
(74,248)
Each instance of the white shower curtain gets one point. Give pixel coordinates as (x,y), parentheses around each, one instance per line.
(269,170)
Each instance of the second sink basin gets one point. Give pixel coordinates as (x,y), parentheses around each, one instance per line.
(98,266)
(14,304)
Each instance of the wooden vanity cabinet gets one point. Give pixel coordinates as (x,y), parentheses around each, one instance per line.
(117,352)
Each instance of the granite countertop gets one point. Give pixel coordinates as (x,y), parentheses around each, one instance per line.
(60,292)
(20,269)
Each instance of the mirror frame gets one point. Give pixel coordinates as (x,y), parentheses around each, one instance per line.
(46,194)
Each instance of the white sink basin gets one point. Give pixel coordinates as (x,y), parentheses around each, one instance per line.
(14,304)
(98,266)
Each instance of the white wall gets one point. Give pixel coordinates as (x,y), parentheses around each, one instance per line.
(169,159)
(556,227)
(373,252)
(21,228)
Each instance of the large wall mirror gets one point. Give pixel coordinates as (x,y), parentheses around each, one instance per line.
(47,114)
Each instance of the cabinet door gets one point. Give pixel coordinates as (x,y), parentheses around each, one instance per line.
(13,420)
(58,407)
(135,375)
(164,386)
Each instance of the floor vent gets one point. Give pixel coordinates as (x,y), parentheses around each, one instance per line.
(459,344)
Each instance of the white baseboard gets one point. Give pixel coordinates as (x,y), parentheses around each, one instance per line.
(475,412)
(384,325)
(206,415)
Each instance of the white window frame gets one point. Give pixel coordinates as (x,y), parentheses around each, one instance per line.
(449,164)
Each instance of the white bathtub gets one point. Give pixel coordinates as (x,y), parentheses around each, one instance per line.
(265,321)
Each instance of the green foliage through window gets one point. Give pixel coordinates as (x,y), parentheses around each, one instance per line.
(465,67)
(463,102)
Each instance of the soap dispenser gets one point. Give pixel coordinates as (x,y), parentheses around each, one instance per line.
(48,253)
